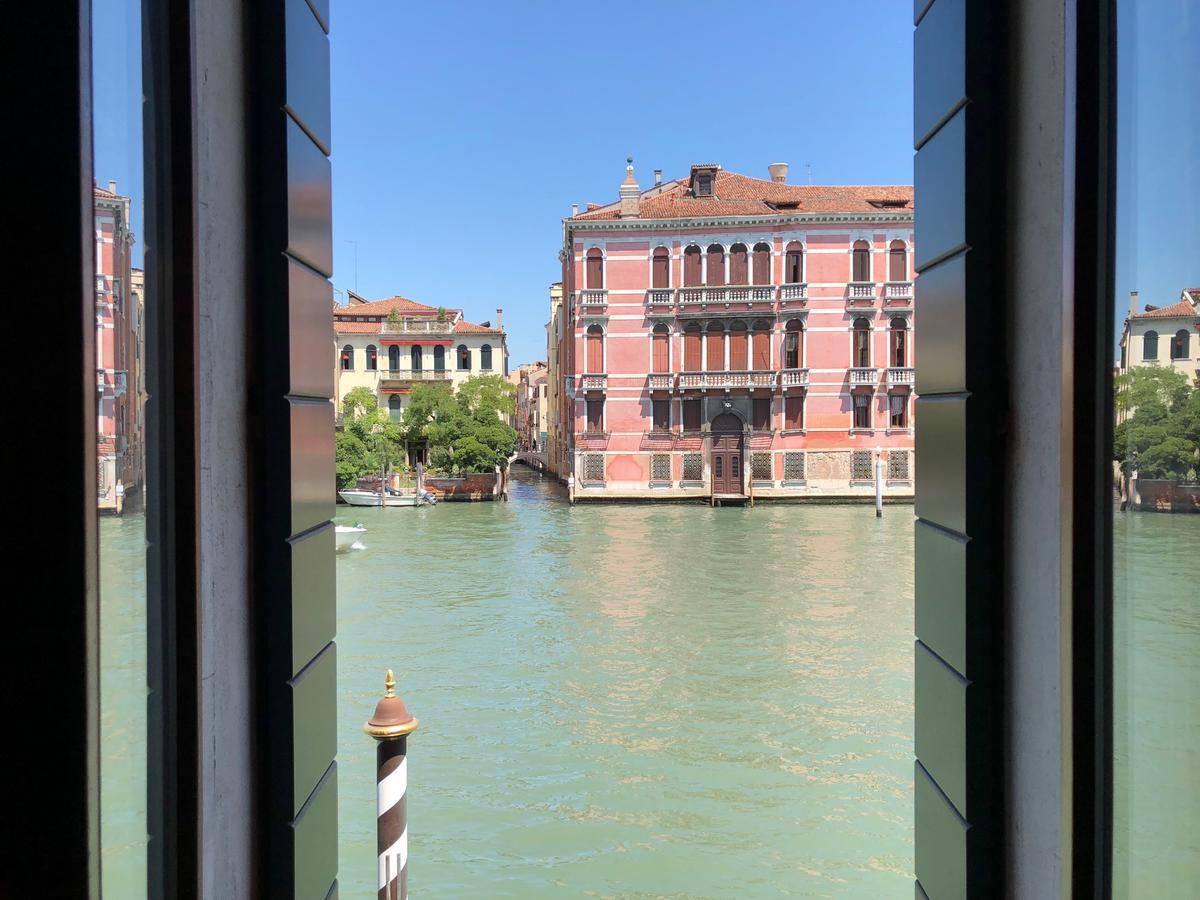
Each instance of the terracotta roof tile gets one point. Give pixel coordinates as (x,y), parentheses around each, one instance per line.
(357,327)
(353,319)
(462,327)
(402,305)
(740,195)
(1183,308)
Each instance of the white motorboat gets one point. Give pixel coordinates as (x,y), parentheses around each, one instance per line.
(374,498)
(348,537)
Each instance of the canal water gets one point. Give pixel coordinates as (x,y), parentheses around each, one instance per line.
(630,700)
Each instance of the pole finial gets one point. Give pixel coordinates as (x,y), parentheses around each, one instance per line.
(389,684)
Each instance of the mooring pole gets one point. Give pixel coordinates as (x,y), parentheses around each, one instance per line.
(879,482)
(390,727)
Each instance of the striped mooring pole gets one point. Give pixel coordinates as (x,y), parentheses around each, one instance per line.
(390,727)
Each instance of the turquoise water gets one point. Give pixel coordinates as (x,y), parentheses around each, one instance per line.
(666,701)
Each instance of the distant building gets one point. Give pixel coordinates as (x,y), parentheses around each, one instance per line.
(556,445)
(728,334)
(391,345)
(1163,336)
(120,388)
(530,417)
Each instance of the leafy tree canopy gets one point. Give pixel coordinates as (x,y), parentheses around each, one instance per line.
(1162,428)
(465,431)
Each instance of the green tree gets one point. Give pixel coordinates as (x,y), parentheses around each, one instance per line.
(463,431)
(1162,431)
(381,438)
(493,393)
(1146,385)
(353,459)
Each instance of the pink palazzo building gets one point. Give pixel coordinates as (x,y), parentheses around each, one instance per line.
(733,337)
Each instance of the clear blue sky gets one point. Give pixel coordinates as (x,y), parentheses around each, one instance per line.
(470,120)
(484,122)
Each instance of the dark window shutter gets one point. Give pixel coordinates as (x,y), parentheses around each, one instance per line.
(691,351)
(761,413)
(716,351)
(661,355)
(691,415)
(716,266)
(762,348)
(739,355)
(762,264)
(595,269)
(660,269)
(738,265)
(793,412)
(691,267)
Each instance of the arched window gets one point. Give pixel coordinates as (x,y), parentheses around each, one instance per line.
(485,357)
(762,263)
(415,357)
(860,268)
(899,343)
(793,263)
(714,347)
(464,358)
(714,276)
(595,269)
(897,262)
(372,358)
(739,347)
(760,346)
(348,358)
(862,344)
(691,267)
(439,358)
(691,348)
(393,357)
(739,264)
(1150,345)
(394,407)
(660,355)
(1180,348)
(595,349)
(793,345)
(660,268)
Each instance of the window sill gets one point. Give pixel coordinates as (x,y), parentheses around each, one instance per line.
(788,432)
(763,483)
(692,484)
(898,431)
(788,484)
(661,484)
(899,482)
(867,432)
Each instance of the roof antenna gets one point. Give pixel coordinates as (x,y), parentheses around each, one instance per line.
(808,169)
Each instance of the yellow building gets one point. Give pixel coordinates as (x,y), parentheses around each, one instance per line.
(556,448)
(1163,336)
(391,345)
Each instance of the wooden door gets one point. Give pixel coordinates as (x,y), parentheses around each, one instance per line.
(727,454)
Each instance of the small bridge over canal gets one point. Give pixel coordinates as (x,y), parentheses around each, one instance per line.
(530,458)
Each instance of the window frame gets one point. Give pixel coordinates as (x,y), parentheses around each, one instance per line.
(1150,345)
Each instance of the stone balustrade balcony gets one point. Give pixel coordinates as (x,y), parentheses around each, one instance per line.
(416,326)
(661,381)
(793,377)
(593,298)
(901,376)
(864,375)
(660,297)
(593,381)
(793,293)
(860,292)
(714,379)
(408,375)
(898,292)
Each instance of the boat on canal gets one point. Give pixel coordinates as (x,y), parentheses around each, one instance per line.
(375,498)
(348,537)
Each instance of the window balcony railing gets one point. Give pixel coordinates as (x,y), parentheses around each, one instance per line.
(593,381)
(415,326)
(659,296)
(661,381)
(690,296)
(860,375)
(899,376)
(721,380)
(793,377)
(753,293)
(860,291)
(793,292)
(411,374)
(898,291)
(592,298)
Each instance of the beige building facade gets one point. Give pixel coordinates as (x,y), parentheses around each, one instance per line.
(1163,336)
(556,447)
(391,345)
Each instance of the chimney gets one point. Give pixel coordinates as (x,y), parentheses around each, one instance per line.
(499,319)
(1133,299)
(778,172)
(658,176)
(574,210)
(112,187)
(630,193)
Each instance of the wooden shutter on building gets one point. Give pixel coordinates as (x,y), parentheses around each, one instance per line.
(762,264)
(691,415)
(739,272)
(691,349)
(761,350)
(760,414)
(715,348)
(595,349)
(661,355)
(716,265)
(793,412)
(897,262)
(661,414)
(691,267)
(739,350)
(595,415)
(861,268)
(794,264)
(595,269)
(660,269)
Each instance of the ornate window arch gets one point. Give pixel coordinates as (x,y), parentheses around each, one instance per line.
(1150,345)
(372,358)
(861,343)
(348,358)
(594,269)
(793,263)
(1181,344)
(464,358)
